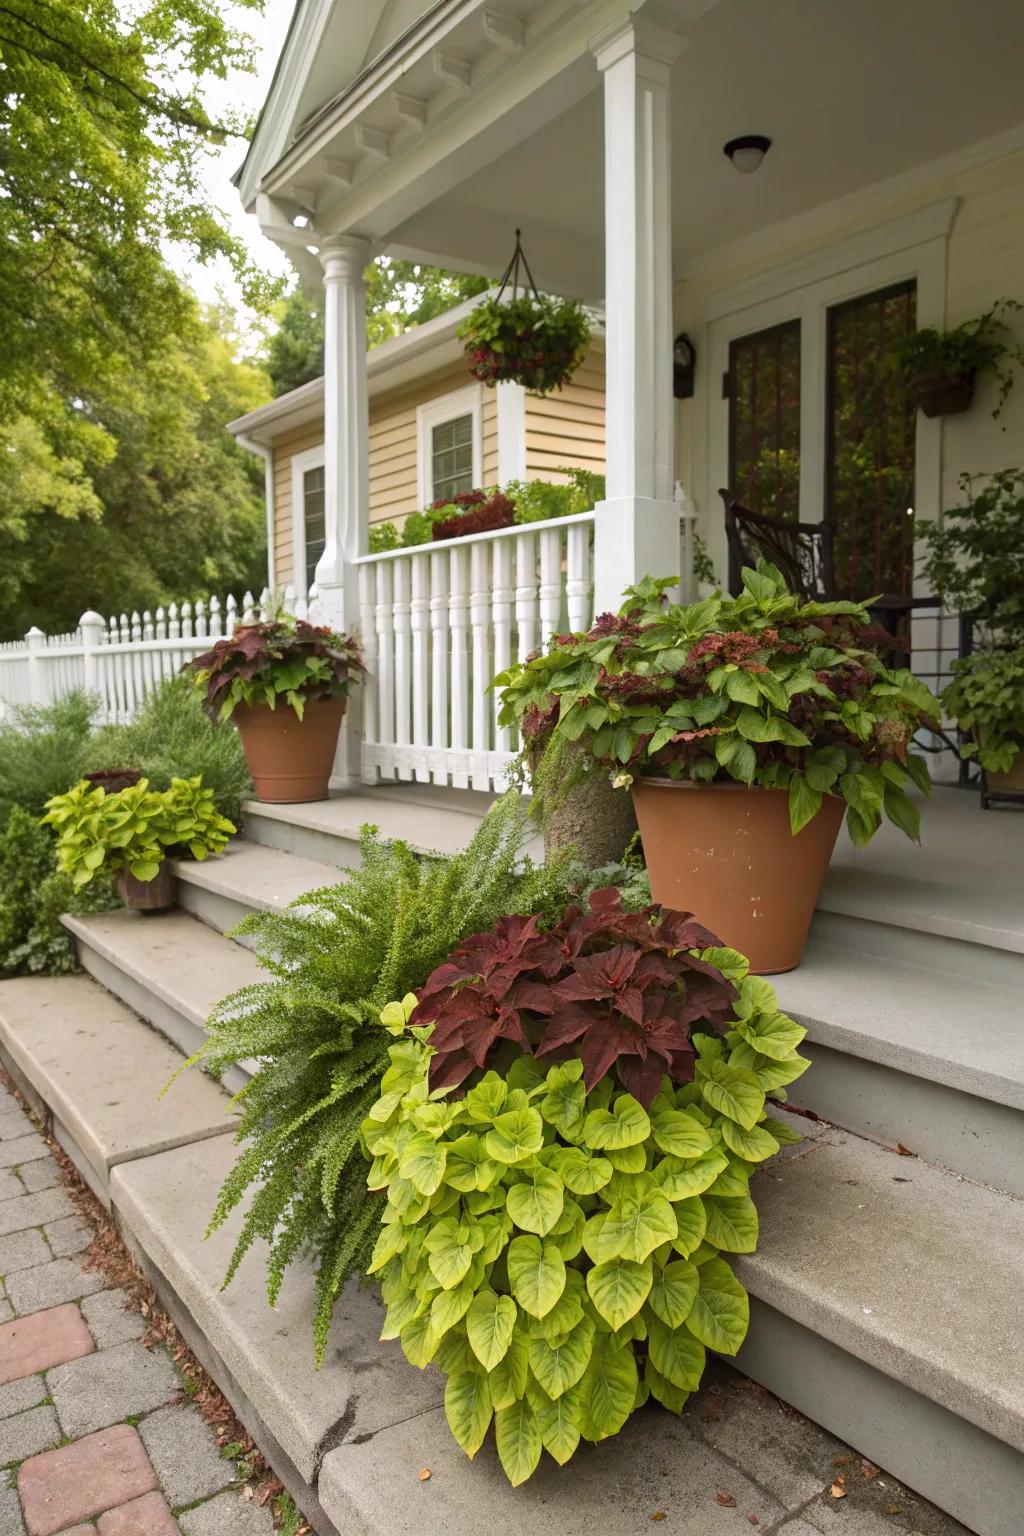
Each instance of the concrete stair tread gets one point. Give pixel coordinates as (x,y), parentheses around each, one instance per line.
(907,1267)
(362,1387)
(256,877)
(426,826)
(915,1019)
(963,882)
(100,1071)
(174,956)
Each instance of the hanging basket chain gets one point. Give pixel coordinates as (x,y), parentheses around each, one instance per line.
(511,273)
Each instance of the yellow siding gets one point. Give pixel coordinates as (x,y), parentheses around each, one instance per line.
(393,445)
(285,449)
(566,428)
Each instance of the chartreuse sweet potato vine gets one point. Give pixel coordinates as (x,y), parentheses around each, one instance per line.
(558,1251)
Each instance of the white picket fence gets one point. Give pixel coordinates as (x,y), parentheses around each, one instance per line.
(122,659)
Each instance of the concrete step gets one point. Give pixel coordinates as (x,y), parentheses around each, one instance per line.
(95,1072)
(168,967)
(913,1055)
(247,877)
(328,830)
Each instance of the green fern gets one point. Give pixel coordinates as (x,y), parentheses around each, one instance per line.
(336,958)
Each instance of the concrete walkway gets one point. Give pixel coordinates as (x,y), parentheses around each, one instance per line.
(97,1433)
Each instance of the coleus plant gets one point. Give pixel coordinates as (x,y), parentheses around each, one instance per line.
(610,986)
(283,658)
(557,1250)
(986,699)
(763,688)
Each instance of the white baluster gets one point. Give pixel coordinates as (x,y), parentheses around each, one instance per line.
(368,639)
(526,594)
(550,582)
(266,598)
(187,629)
(173,623)
(216,627)
(577,580)
(420,612)
(403,672)
(501,599)
(248,608)
(480,621)
(439,664)
(289,599)
(230,615)
(458,628)
(202,629)
(385,617)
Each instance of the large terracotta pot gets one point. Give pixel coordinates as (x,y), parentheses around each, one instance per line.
(725,853)
(290,759)
(154,895)
(1010,782)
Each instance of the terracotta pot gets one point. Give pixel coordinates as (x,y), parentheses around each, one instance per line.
(290,759)
(1010,782)
(945,396)
(725,853)
(154,895)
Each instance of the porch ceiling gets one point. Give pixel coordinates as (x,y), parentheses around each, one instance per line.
(850,94)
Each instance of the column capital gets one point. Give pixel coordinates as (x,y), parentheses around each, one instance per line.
(344,257)
(633,34)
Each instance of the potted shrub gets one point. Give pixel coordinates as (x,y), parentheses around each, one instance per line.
(986,699)
(472,512)
(745,727)
(565,1138)
(939,368)
(974,558)
(305,669)
(131,832)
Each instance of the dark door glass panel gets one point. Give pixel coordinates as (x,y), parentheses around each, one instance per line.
(764,420)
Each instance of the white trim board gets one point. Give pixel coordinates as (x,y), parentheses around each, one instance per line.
(434,413)
(312,458)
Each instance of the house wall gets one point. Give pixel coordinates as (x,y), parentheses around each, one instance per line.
(985,261)
(567,426)
(285,449)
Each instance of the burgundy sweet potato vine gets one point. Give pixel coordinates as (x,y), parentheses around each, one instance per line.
(612,987)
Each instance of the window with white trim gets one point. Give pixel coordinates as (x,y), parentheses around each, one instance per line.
(309,528)
(450,445)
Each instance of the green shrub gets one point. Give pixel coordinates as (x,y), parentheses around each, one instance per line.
(336,958)
(173,738)
(986,699)
(32,897)
(43,751)
(134,828)
(557,1251)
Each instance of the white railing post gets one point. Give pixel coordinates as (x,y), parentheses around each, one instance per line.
(636,528)
(93,630)
(37,689)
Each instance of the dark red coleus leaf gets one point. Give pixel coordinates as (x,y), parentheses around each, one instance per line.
(618,989)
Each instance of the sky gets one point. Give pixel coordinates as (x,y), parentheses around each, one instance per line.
(247,93)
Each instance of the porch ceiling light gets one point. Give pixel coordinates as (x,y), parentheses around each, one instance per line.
(747,152)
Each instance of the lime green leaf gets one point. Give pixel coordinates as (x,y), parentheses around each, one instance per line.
(566,1312)
(582,1174)
(804,803)
(627,1159)
(563,1107)
(679,1180)
(469,1167)
(784,1134)
(536,1274)
(560,1366)
(608,1389)
(391,1240)
(660,1388)
(673,1293)
(486,1101)
(450,1307)
(509,1377)
(419,1341)
(676,1354)
(450,1247)
(776,1035)
(515,1136)
(733,1092)
(636,1225)
(732,1223)
(535,1203)
(770,1074)
(489,1324)
(558,1422)
(519,1443)
(754,1145)
(680,1134)
(467,1406)
(619,1288)
(624,1125)
(423,1163)
(721,1313)
(691,1220)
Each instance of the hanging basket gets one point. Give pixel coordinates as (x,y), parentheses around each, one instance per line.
(524,337)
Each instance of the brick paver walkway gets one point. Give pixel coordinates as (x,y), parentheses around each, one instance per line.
(95,1434)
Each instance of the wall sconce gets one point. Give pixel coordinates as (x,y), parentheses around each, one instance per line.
(747,152)
(684,365)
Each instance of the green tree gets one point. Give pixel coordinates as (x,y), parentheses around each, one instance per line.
(104,136)
(399,295)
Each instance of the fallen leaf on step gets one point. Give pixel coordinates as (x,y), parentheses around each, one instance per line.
(725,1499)
(868,1469)
(838,1491)
(902,1150)
(753,1519)
(844,1460)
(425,1474)
(659,1514)
(892,1509)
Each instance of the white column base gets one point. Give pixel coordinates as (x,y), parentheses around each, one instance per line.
(634,536)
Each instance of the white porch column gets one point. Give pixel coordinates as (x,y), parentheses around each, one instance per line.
(636,529)
(346,464)
(346,427)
